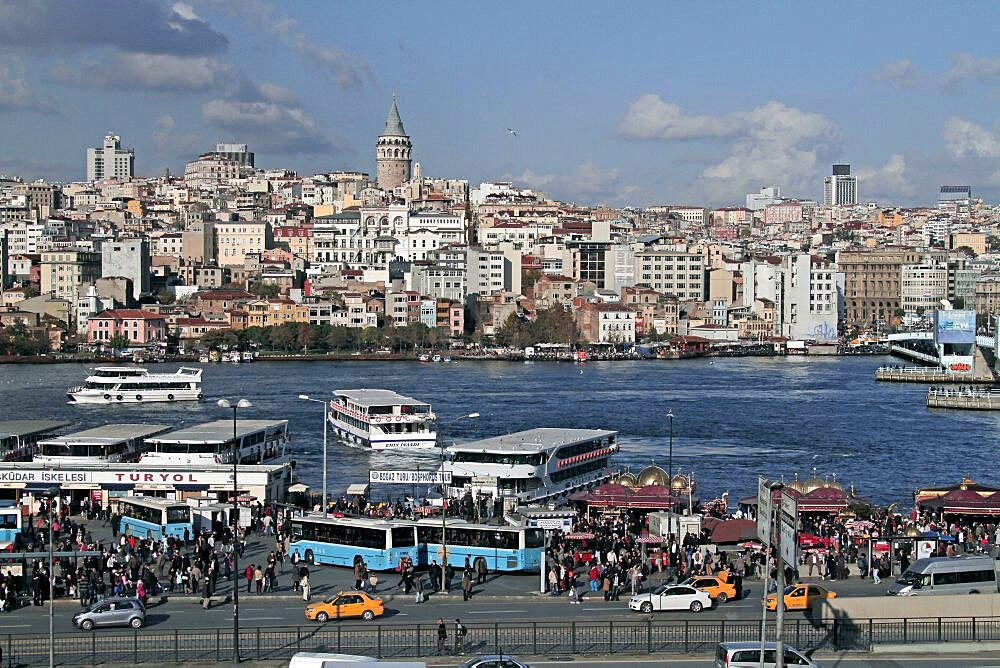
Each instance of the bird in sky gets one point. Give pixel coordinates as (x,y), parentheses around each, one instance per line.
(512,131)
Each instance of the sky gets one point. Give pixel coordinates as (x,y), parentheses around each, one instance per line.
(637,103)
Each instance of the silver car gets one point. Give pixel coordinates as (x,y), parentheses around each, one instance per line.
(112,612)
(494,661)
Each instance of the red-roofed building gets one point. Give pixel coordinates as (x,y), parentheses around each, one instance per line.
(141,328)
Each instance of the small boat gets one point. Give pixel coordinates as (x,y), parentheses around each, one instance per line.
(248,357)
(424,358)
(203,359)
(215,356)
(447,359)
(436,358)
(235,357)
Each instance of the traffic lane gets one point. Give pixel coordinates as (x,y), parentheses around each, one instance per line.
(826,660)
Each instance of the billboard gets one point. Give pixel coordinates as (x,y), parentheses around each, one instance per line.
(955,326)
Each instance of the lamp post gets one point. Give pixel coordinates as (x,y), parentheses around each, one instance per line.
(326,419)
(444,497)
(670,457)
(779,594)
(242,403)
(52,494)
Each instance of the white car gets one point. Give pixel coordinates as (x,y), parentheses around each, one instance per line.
(671,597)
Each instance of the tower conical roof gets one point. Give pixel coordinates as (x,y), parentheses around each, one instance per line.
(393,123)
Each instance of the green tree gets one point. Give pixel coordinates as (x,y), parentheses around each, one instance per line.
(218,339)
(307,337)
(264,290)
(118,343)
(282,338)
(342,338)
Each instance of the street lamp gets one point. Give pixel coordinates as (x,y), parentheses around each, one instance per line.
(780,593)
(52,494)
(326,408)
(670,458)
(242,403)
(444,498)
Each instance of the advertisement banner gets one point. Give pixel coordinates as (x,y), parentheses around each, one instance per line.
(955,326)
(763,510)
(410,477)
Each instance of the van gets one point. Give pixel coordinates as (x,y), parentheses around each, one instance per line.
(328,660)
(747,655)
(964,574)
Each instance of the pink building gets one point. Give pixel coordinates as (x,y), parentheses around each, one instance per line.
(141,328)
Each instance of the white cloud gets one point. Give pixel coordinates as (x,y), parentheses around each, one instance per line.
(965,66)
(17,95)
(165,136)
(589,182)
(158,72)
(902,73)
(964,138)
(889,181)
(649,117)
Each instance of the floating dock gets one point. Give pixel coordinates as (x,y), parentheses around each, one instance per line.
(923,374)
(969,399)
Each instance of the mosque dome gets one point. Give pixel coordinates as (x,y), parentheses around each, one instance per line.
(653,475)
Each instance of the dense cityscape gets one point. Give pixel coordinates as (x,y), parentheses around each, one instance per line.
(631,340)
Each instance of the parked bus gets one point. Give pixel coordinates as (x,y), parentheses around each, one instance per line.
(338,540)
(964,574)
(150,517)
(503,548)
(383,543)
(10,525)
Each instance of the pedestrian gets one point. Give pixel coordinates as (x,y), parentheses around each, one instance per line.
(460,632)
(442,636)
(359,566)
(373,581)
(466,586)
(420,589)
(574,598)
(258,579)
(248,575)
(875,573)
(206,593)
(553,582)
(481,571)
(304,584)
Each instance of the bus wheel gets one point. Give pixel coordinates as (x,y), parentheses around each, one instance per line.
(199,396)
(310,558)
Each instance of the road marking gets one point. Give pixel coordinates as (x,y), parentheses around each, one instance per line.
(16,626)
(259,619)
(493,612)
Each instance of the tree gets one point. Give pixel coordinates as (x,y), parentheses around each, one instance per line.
(217,339)
(264,290)
(282,338)
(342,338)
(166,297)
(118,343)
(307,337)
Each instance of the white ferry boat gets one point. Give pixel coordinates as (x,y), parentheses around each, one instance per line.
(19,438)
(382,420)
(112,444)
(532,465)
(259,442)
(135,385)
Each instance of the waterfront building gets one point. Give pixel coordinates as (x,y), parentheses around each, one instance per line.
(138,327)
(672,272)
(110,160)
(872,289)
(606,323)
(923,286)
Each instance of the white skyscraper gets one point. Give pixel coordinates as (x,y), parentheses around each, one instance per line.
(110,161)
(841,188)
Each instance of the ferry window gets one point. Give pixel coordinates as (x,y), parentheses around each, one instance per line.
(402,537)
(945,578)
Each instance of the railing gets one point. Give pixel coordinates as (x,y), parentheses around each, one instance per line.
(640,636)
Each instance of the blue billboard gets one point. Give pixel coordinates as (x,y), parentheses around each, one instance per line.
(955,326)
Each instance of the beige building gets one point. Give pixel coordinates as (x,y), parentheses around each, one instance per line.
(235,240)
(873,282)
(976,241)
(988,295)
(681,274)
(198,242)
(64,270)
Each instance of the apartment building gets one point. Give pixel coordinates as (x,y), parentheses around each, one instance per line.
(670,272)
(923,287)
(235,240)
(873,282)
(63,270)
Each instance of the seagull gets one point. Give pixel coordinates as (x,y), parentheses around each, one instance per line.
(512,131)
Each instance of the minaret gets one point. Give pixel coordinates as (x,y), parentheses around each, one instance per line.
(392,152)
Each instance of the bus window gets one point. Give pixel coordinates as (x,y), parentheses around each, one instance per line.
(403,537)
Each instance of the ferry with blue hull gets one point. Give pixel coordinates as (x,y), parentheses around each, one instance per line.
(382,420)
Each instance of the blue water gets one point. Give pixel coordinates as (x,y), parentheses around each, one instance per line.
(734,418)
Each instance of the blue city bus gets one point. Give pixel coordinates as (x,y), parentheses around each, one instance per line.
(383,543)
(150,517)
(338,540)
(10,525)
(504,548)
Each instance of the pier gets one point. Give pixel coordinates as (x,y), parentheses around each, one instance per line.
(970,399)
(923,374)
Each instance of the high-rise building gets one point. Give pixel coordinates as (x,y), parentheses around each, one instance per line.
(768,195)
(955,193)
(237,152)
(393,152)
(840,189)
(128,258)
(110,161)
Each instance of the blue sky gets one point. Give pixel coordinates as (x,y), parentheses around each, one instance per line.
(619,103)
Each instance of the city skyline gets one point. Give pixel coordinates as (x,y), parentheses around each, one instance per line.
(671,103)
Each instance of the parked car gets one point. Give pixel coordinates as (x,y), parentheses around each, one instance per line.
(112,612)
(494,661)
(671,597)
(346,604)
(800,596)
(747,655)
(719,587)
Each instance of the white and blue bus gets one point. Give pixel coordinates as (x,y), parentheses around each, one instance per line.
(338,540)
(10,525)
(383,543)
(150,517)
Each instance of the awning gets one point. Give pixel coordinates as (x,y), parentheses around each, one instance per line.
(36,487)
(298,488)
(359,489)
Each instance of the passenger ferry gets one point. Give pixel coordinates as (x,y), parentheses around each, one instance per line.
(382,420)
(532,465)
(112,444)
(259,442)
(19,438)
(135,385)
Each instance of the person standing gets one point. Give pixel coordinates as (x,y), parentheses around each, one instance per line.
(258,579)
(460,632)
(466,586)
(248,575)
(304,584)
(481,571)
(206,593)
(442,636)
(420,589)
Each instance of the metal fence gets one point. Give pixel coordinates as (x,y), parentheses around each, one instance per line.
(645,636)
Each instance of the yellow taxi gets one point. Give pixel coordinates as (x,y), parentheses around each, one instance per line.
(346,604)
(800,596)
(718,587)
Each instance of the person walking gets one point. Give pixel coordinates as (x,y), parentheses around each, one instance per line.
(481,571)
(358,571)
(442,636)
(258,579)
(373,582)
(420,589)
(304,584)
(460,632)
(206,593)
(466,586)
(248,575)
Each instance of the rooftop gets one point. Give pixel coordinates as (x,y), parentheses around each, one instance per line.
(364,397)
(220,431)
(532,440)
(22,428)
(112,433)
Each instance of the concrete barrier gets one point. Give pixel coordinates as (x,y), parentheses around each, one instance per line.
(912,607)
